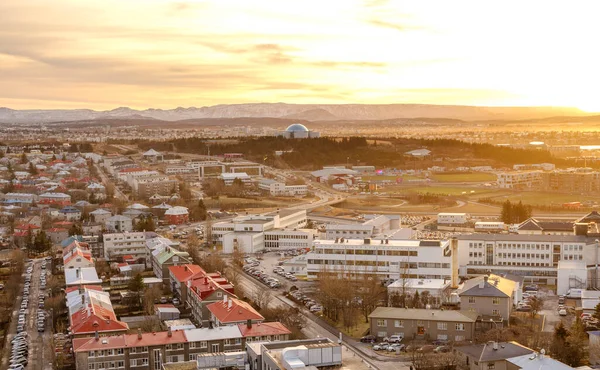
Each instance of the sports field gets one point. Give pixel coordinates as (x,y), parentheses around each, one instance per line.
(464,177)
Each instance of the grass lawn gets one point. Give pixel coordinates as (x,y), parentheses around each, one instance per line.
(544,198)
(357,331)
(464,177)
(388,178)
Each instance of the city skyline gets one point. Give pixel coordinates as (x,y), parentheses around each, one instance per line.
(165,54)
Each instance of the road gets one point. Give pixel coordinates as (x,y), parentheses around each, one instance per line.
(106,181)
(312,328)
(40,348)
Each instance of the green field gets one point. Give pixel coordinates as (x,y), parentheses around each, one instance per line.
(388,178)
(478,192)
(544,198)
(464,177)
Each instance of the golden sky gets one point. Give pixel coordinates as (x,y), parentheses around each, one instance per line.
(102,54)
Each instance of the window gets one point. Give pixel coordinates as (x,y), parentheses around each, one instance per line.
(382,334)
(442,326)
(399,323)
(120,364)
(192,357)
(91,366)
(459,338)
(496,300)
(215,347)
(203,344)
(460,327)
(491,365)
(91,353)
(496,312)
(119,351)
(442,337)
(471,299)
(381,323)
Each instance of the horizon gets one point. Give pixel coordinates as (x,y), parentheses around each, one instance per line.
(204,53)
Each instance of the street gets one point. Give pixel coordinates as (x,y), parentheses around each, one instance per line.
(40,344)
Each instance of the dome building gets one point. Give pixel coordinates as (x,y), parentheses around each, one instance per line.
(176,215)
(299,131)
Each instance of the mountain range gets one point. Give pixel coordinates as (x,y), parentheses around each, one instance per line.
(307,112)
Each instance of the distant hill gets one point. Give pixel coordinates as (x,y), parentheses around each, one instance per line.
(306,112)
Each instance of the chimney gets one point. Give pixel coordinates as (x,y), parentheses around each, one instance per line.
(139,333)
(454,263)
(486,278)
(96,336)
(249,323)
(189,284)
(495,346)
(229,304)
(224,299)
(169,332)
(482,284)
(77,273)
(205,280)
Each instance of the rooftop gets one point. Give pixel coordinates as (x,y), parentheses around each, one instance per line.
(484,286)
(485,352)
(537,361)
(423,314)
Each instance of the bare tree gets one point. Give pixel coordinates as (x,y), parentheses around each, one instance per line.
(262,297)
(150,324)
(370,292)
(150,295)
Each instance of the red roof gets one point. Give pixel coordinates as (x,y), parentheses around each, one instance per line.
(264,328)
(205,286)
(56,230)
(78,252)
(129,340)
(183,273)
(136,169)
(90,287)
(97,318)
(239,311)
(20,233)
(26,227)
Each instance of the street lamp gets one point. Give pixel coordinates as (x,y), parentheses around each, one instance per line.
(497,332)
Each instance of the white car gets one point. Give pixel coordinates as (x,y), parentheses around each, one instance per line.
(562,312)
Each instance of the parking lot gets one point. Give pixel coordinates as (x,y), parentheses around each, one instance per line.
(29,338)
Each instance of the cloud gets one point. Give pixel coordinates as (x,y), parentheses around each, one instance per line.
(394,26)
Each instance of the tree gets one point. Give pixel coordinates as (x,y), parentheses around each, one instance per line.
(76,229)
(370,293)
(24,158)
(150,295)
(261,297)
(136,287)
(213,262)
(32,169)
(145,224)
(596,314)
(416,301)
(198,212)
(291,317)
(537,304)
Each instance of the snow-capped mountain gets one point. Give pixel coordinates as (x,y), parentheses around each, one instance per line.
(311,112)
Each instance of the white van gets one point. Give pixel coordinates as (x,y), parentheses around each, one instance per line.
(574,293)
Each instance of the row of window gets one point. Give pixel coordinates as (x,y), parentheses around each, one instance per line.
(382,323)
(368,252)
(109,365)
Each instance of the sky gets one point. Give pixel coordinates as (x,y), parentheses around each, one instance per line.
(102,54)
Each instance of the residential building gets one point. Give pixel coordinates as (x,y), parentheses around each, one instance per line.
(161,185)
(151,351)
(163,258)
(118,245)
(283,239)
(119,224)
(55,198)
(77,255)
(533,226)
(232,311)
(388,259)
(520,180)
(91,313)
(100,215)
(205,290)
(437,289)
(180,275)
(80,276)
(492,356)
(423,324)
(491,297)
(176,215)
(70,213)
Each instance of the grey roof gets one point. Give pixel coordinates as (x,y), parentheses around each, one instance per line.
(526,362)
(494,286)
(521,238)
(206,334)
(423,314)
(485,352)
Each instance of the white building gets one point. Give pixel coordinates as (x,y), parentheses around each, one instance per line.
(375,226)
(119,223)
(248,232)
(438,289)
(229,178)
(276,188)
(490,226)
(571,275)
(132,244)
(520,180)
(452,218)
(389,259)
(535,257)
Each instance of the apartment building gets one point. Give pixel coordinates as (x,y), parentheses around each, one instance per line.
(179,277)
(491,297)
(573,180)
(119,245)
(388,259)
(282,239)
(119,223)
(497,356)
(232,311)
(177,170)
(150,351)
(317,353)
(452,218)
(206,290)
(520,180)
(91,313)
(423,324)
(161,185)
(77,255)
(165,257)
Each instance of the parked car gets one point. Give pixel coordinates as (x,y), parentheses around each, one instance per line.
(381,347)
(368,339)
(396,338)
(562,312)
(442,349)
(395,347)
